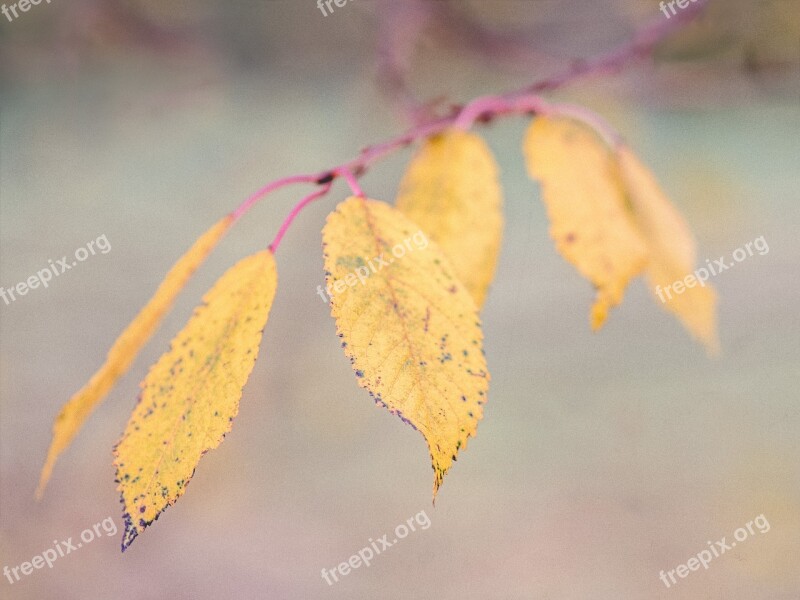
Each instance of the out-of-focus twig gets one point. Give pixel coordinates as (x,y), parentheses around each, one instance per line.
(509,48)
(641,46)
(483,109)
(399,27)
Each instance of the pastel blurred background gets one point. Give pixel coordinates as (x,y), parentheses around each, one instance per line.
(602,458)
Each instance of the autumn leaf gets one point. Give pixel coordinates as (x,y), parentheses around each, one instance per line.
(125,349)
(582,190)
(607,198)
(408,325)
(671,252)
(451,191)
(191,395)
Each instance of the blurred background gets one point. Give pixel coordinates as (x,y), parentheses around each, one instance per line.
(602,458)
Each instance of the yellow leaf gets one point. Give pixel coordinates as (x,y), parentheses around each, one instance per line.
(191,395)
(451,191)
(589,221)
(671,252)
(126,347)
(408,325)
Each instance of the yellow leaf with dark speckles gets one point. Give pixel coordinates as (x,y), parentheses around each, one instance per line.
(191,395)
(126,348)
(409,326)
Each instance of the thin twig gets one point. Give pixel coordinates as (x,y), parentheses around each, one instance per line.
(640,46)
(351,180)
(484,109)
(273,247)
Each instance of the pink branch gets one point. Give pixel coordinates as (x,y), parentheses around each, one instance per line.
(295,211)
(523,101)
(641,45)
(351,180)
(489,107)
(268,189)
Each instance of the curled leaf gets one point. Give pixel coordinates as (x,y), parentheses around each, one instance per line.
(408,325)
(671,252)
(611,219)
(191,395)
(451,190)
(125,349)
(582,189)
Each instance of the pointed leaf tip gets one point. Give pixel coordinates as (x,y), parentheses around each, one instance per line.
(191,395)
